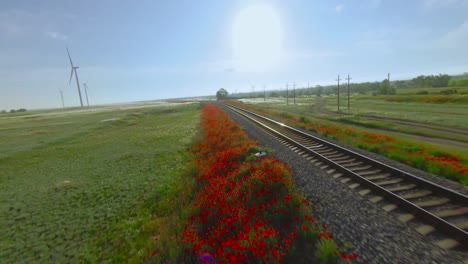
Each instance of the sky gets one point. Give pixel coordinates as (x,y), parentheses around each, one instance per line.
(147,50)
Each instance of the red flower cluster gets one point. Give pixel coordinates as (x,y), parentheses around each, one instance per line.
(244,209)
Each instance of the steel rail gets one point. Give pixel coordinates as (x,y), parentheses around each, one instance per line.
(441,224)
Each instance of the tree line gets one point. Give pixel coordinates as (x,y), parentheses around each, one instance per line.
(383,87)
(14,111)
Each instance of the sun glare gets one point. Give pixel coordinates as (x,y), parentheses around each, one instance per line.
(257,39)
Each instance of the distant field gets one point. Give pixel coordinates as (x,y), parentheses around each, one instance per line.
(448,114)
(78,185)
(441,114)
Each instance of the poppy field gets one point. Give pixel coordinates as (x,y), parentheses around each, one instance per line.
(243,209)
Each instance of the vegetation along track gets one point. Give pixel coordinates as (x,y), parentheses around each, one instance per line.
(439,207)
(448,131)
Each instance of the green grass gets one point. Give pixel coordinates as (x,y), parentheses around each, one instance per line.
(451,115)
(388,126)
(89,187)
(432,90)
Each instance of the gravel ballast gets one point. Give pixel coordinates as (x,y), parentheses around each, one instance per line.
(377,236)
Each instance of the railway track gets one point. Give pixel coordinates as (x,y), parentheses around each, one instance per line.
(437,206)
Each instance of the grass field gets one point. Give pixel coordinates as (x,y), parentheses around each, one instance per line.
(79,186)
(447,114)
(405,105)
(378,112)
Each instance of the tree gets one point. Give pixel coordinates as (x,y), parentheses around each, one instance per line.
(222,94)
(385,88)
(441,80)
(319,90)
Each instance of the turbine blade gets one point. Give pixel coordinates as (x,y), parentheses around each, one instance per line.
(71,76)
(69,57)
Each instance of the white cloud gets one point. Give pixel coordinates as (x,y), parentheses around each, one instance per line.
(17,23)
(339,8)
(308,54)
(57,35)
(372,44)
(443,3)
(457,37)
(375,3)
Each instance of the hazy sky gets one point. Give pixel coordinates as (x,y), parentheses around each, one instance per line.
(144,50)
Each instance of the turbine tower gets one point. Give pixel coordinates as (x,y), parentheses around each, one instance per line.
(61,95)
(86,92)
(73,70)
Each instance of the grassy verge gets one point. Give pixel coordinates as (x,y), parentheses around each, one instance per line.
(450,164)
(90,187)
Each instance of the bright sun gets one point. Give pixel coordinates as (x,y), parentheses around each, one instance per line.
(257,39)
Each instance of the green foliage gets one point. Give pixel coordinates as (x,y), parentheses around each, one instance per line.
(286,115)
(441,80)
(304,119)
(327,251)
(386,89)
(462,82)
(448,91)
(222,94)
(423,92)
(439,99)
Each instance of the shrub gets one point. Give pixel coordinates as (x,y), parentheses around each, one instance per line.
(448,91)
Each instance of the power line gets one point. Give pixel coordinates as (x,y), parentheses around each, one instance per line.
(338,91)
(388,83)
(348,79)
(294,85)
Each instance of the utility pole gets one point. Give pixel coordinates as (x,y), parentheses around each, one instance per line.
(61,95)
(388,83)
(294,85)
(264,94)
(287,94)
(253,91)
(348,89)
(338,91)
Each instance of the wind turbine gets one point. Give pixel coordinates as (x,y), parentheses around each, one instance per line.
(86,92)
(61,95)
(73,70)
